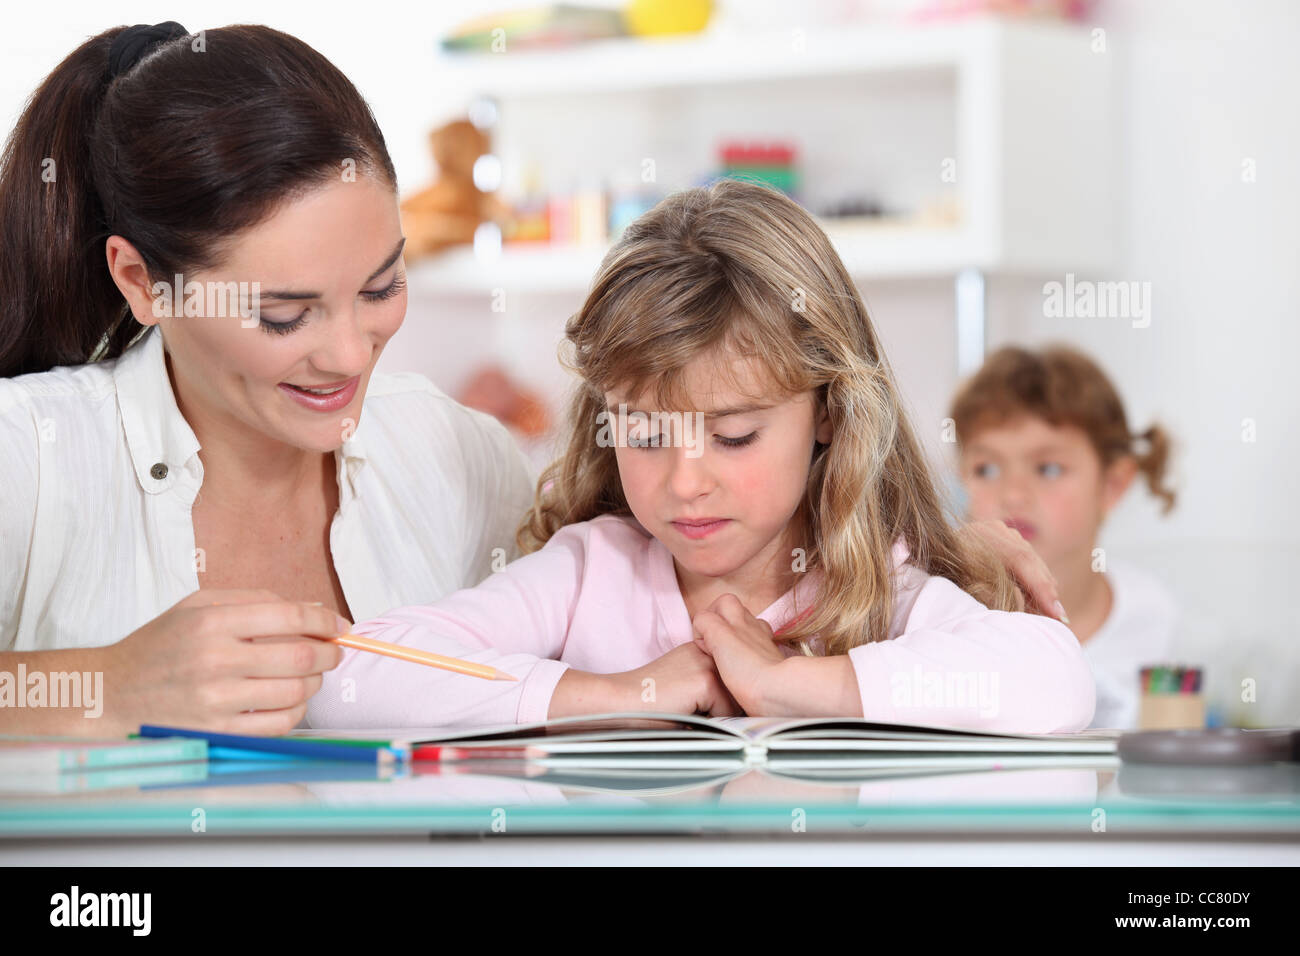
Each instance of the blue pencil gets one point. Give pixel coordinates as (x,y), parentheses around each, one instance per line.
(279,745)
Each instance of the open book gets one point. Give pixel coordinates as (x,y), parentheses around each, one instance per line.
(650,741)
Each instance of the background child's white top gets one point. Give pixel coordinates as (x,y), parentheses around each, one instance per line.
(1139,631)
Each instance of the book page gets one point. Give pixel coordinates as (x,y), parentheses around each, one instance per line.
(631,725)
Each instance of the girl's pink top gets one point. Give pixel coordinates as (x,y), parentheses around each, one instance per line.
(602,596)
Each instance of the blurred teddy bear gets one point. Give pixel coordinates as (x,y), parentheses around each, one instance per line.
(448,212)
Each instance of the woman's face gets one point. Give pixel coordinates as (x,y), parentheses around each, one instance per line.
(332,291)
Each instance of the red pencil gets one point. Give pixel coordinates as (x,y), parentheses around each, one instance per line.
(441,753)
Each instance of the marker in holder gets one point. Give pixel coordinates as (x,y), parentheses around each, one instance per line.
(1171,698)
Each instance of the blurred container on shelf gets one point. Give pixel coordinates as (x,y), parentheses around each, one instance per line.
(852,207)
(772,163)
(529,220)
(561,218)
(590,219)
(667,17)
(941,212)
(541,27)
(557,25)
(629,197)
(1077,10)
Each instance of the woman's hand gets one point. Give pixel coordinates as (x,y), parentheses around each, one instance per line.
(683,681)
(1024,563)
(227,661)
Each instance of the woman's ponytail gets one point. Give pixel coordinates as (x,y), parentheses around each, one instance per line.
(57,298)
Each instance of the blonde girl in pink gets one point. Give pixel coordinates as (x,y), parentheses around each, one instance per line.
(743,520)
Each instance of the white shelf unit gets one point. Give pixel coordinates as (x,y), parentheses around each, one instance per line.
(1023,109)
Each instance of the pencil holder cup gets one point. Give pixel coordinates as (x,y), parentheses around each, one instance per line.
(1171,698)
(1171,711)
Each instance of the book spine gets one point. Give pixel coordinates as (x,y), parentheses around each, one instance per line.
(179,751)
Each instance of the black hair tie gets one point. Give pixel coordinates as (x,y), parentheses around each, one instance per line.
(130,46)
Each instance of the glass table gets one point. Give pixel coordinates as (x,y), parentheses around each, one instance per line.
(277,811)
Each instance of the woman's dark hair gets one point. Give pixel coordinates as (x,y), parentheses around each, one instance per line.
(197,142)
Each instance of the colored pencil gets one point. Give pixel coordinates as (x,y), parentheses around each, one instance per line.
(291,747)
(485,671)
(429,752)
(1169,679)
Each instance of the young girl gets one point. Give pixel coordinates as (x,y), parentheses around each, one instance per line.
(1045,446)
(743,520)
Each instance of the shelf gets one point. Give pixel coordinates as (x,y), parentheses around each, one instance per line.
(633,64)
(1026,112)
(868,251)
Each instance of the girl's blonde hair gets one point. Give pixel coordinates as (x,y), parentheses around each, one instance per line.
(1062,386)
(738,266)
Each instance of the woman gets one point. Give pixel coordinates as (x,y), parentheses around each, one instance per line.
(202,266)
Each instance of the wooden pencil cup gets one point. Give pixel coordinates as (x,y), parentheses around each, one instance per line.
(1171,711)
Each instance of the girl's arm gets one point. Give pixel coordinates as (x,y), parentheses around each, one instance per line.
(959,664)
(515,620)
(954,663)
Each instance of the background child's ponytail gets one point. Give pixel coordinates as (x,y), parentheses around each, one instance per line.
(1153,463)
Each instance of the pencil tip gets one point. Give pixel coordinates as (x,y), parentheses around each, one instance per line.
(502,675)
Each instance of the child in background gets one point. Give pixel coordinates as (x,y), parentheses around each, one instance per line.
(1045,446)
(783,553)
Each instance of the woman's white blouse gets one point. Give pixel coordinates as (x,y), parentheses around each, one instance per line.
(99,472)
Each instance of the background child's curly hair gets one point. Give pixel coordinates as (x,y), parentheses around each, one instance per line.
(741,267)
(1062,386)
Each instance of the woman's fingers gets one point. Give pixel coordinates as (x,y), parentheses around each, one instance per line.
(265,639)
(267,723)
(271,618)
(1034,576)
(288,656)
(276,693)
(1024,563)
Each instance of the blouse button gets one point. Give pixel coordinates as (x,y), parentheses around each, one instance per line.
(159,471)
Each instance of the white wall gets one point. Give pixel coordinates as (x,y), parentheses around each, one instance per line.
(1205,87)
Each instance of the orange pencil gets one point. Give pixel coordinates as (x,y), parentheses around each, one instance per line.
(485,671)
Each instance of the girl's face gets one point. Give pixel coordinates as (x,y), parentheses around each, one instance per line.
(720,497)
(1046,481)
(332,292)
